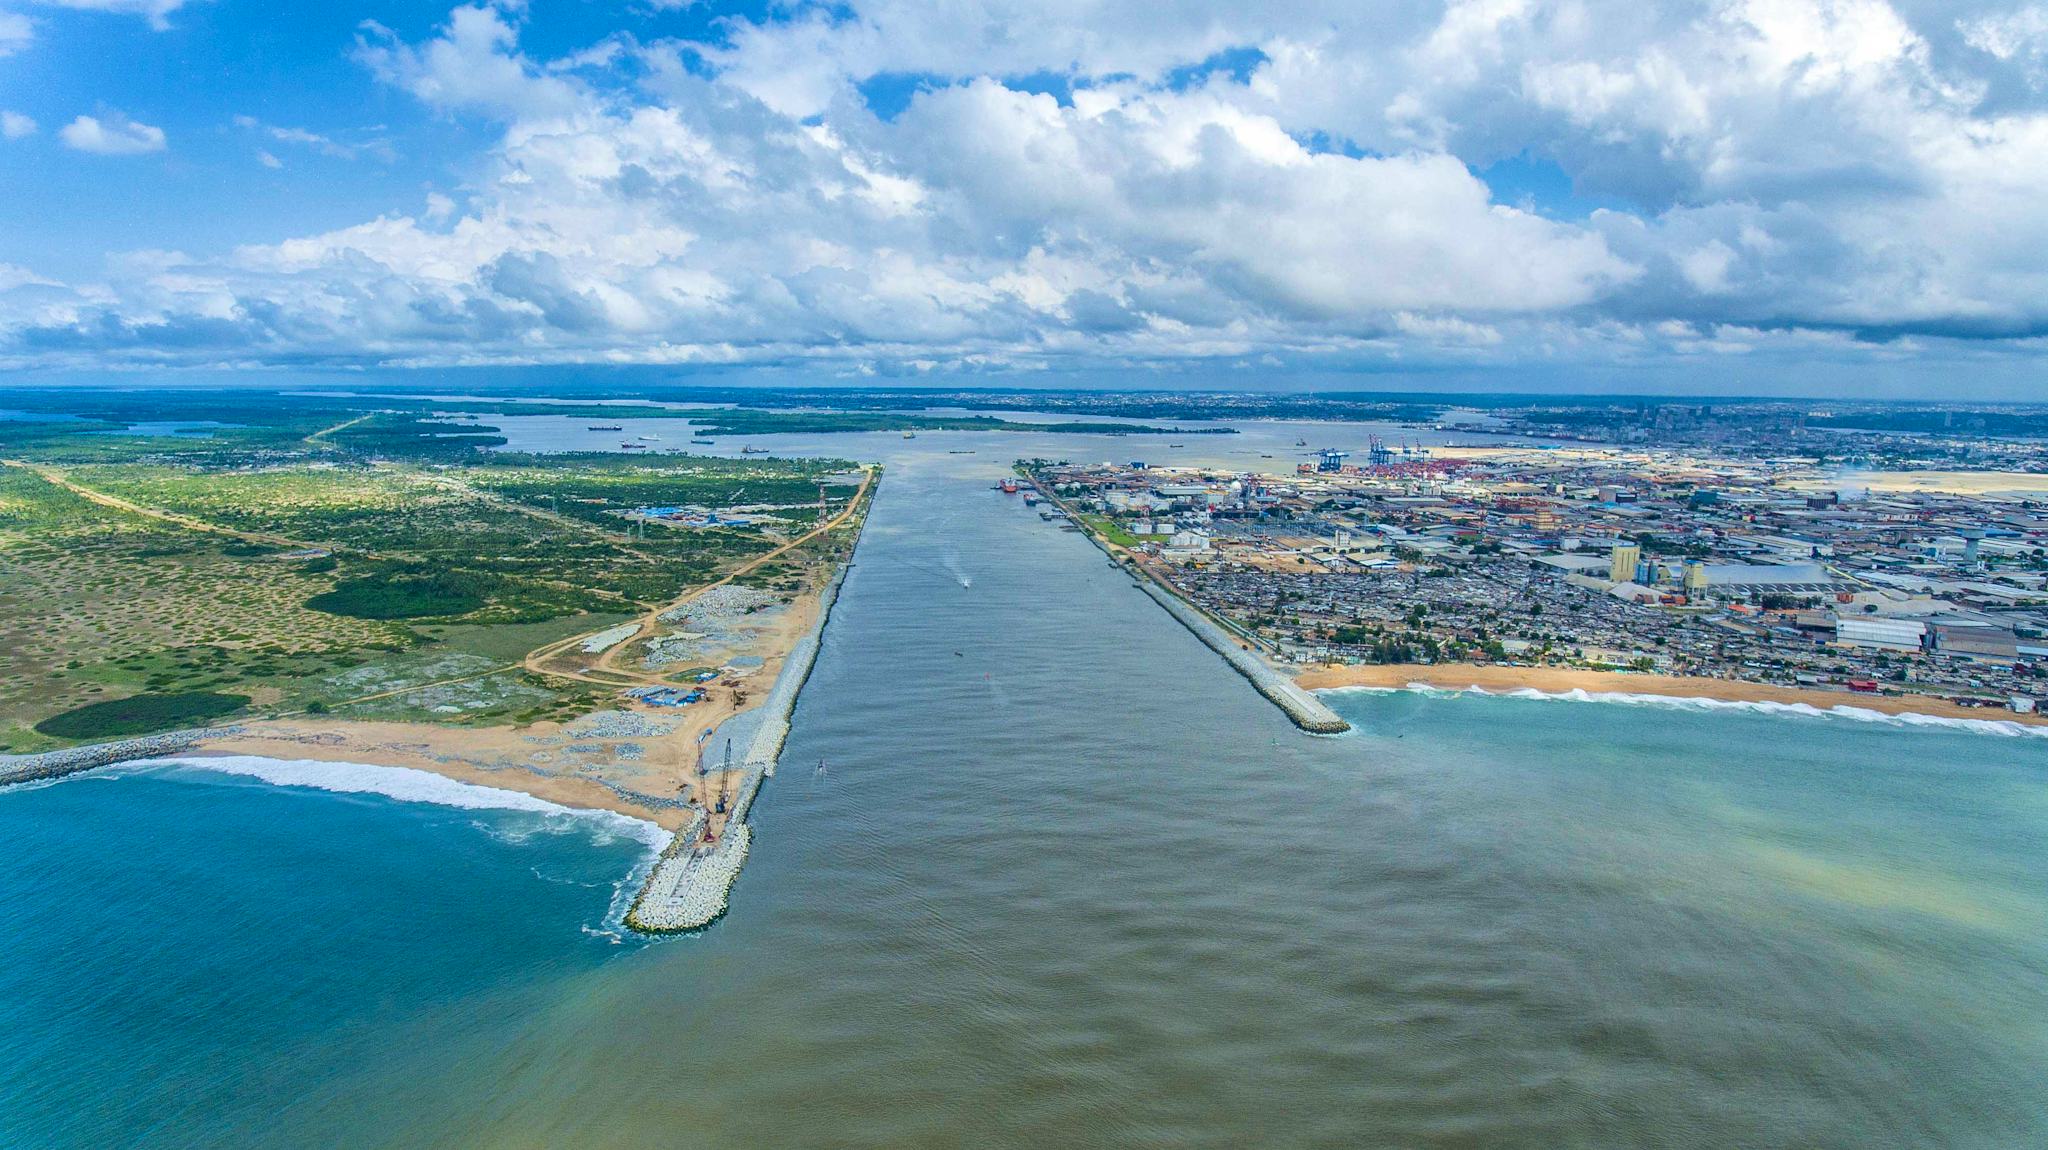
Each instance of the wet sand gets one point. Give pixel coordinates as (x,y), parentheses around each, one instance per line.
(1494,677)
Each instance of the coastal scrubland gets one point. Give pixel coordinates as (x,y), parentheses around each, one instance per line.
(329,557)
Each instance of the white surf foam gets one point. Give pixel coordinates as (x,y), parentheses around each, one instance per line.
(2005,728)
(409,785)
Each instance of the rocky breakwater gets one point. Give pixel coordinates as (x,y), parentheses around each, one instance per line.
(57,764)
(690,885)
(1304,709)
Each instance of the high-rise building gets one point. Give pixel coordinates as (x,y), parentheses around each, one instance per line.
(1621,563)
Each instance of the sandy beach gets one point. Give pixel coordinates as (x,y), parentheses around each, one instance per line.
(525,759)
(644,750)
(644,760)
(1494,677)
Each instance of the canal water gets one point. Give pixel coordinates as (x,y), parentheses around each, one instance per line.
(1038,870)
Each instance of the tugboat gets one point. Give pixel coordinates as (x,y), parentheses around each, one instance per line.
(1007,487)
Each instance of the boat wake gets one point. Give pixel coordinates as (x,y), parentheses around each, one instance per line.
(2004,728)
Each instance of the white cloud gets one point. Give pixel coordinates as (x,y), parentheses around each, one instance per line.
(16,31)
(116,135)
(157,12)
(2019,36)
(473,65)
(268,160)
(1776,177)
(14,125)
(365,144)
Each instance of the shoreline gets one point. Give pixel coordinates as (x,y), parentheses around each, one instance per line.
(644,763)
(1558,680)
(689,886)
(474,755)
(1304,710)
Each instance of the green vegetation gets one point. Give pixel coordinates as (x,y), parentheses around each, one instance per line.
(1111,530)
(383,596)
(327,550)
(141,714)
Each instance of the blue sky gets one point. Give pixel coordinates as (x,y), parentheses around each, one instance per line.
(1737,194)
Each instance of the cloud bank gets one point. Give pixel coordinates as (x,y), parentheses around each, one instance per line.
(998,186)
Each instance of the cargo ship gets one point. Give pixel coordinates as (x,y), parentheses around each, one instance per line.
(752,450)
(605,427)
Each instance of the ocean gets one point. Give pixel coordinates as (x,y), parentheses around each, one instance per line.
(1038,870)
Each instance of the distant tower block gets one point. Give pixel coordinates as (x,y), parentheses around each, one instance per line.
(1621,563)
(1971,538)
(1695,578)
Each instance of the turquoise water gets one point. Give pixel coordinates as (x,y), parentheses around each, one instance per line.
(1063,880)
(189,958)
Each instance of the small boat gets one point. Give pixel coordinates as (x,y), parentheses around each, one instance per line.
(1301,443)
(910,435)
(1176,445)
(650,437)
(604,427)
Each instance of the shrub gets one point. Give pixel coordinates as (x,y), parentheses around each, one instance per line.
(405,596)
(140,714)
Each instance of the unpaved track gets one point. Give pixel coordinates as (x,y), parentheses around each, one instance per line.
(606,662)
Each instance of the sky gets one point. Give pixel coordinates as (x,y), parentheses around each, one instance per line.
(1842,197)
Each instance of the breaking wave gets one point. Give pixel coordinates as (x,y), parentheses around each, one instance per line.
(2005,728)
(413,786)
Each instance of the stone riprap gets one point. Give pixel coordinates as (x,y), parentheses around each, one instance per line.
(57,764)
(688,887)
(1305,709)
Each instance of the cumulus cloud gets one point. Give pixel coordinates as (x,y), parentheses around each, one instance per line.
(1072,181)
(112,135)
(14,125)
(474,65)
